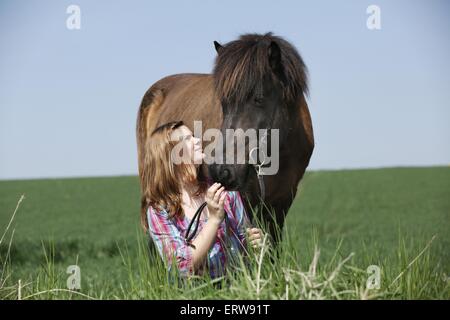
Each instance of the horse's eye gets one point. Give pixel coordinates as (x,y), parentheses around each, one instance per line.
(258,101)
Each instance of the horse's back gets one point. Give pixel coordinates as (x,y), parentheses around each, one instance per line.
(187,97)
(176,82)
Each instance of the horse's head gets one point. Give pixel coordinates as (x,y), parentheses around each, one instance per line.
(258,79)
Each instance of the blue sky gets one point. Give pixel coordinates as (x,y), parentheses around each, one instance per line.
(69,98)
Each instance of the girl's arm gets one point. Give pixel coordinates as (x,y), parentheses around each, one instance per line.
(215,198)
(203,242)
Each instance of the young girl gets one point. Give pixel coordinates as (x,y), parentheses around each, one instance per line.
(173,193)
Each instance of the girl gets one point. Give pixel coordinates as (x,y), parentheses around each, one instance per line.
(173,193)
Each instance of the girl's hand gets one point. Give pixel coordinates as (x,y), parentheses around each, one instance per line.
(215,197)
(255,237)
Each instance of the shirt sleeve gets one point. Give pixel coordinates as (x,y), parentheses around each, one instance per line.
(240,215)
(169,241)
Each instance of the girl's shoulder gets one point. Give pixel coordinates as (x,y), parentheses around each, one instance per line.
(158,211)
(160,215)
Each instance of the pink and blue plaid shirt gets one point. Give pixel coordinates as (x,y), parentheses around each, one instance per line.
(169,237)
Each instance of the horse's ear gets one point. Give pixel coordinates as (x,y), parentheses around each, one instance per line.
(275,57)
(218,47)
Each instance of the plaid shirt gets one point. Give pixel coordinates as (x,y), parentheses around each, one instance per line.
(169,237)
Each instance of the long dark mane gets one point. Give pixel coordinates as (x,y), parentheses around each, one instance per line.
(241,65)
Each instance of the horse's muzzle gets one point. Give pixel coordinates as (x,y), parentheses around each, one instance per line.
(229,176)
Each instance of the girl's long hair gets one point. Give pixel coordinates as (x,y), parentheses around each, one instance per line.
(161,179)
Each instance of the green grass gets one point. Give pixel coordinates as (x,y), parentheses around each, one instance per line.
(395,218)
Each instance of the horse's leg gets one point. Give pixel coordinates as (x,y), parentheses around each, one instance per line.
(275,223)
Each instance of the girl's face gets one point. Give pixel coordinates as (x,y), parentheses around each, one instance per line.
(191,144)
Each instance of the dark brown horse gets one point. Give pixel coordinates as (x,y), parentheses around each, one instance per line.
(259,82)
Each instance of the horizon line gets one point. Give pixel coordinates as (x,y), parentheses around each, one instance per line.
(307,170)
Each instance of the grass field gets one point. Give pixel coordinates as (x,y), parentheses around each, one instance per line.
(395,218)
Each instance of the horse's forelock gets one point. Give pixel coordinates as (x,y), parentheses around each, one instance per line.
(241,65)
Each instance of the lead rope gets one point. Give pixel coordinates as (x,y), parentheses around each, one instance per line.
(197,215)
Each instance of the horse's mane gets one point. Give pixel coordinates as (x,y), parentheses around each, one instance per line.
(241,65)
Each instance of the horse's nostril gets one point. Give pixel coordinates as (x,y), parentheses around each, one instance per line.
(225,174)
(227,178)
